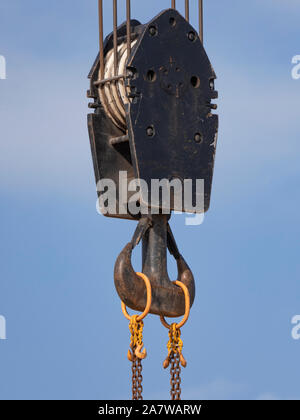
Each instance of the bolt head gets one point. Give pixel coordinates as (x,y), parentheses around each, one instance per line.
(152,30)
(150,131)
(198,138)
(192,36)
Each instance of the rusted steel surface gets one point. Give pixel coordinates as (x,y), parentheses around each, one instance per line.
(128,34)
(110,79)
(115,29)
(167,299)
(201,20)
(187,10)
(100,8)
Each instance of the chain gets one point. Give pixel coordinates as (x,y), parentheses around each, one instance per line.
(175,381)
(175,358)
(137,378)
(135,356)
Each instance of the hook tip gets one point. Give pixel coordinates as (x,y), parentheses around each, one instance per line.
(129,356)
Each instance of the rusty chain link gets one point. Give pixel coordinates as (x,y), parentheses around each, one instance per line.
(175,381)
(175,359)
(175,344)
(137,378)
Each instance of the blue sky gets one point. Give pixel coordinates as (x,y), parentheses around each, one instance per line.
(66,336)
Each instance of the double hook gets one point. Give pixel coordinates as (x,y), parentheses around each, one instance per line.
(137,353)
(167,299)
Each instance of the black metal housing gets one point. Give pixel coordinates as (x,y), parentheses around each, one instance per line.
(172,132)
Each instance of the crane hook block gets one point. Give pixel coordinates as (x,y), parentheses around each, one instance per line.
(156,120)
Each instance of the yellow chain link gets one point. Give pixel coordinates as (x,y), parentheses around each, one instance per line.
(174,345)
(136,339)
